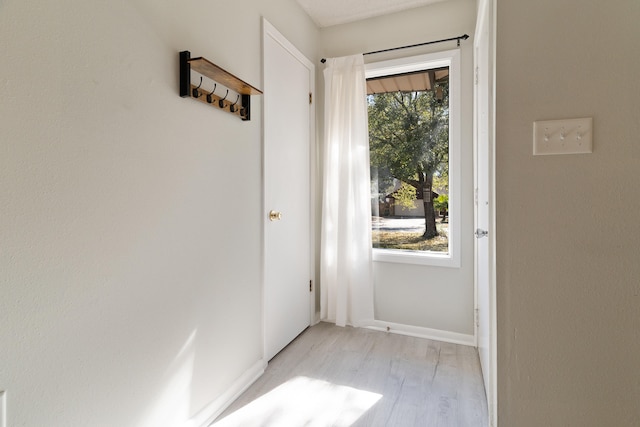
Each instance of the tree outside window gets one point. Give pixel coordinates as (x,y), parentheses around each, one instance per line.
(409,151)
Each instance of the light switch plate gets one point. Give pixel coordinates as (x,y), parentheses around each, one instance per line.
(571,136)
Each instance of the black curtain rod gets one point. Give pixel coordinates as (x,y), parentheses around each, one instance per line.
(462,37)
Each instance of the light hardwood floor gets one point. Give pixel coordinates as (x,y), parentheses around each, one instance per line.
(332,376)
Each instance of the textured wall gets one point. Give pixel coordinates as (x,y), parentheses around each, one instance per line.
(568,229)
(128,296)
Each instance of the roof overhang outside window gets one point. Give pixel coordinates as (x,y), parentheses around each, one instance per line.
(408,82)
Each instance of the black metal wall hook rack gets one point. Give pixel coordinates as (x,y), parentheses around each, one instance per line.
(210,70)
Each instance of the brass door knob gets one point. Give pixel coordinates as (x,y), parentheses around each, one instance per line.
(275,216)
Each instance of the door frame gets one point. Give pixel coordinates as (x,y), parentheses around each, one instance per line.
(487,17)
(268,30)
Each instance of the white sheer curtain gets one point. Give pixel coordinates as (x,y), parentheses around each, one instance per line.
(346,266)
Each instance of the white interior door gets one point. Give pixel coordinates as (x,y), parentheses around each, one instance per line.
(288,79)
(482,214)
(485,238)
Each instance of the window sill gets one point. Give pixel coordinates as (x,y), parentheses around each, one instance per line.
(416,258)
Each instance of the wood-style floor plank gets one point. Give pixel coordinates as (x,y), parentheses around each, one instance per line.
(414,381)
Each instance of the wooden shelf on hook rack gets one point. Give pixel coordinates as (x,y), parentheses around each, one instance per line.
(218,75)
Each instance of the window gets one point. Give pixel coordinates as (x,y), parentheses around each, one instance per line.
(414,131)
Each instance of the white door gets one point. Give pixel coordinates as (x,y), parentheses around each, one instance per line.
(485,238)
(288,79)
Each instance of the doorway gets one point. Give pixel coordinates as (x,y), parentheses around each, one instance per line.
(484,159)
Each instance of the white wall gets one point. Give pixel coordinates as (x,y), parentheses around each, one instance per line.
(429,297)
(127,296)
(568,230)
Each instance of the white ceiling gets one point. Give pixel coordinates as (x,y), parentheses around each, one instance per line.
(326,13)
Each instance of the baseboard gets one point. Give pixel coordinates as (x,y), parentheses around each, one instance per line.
(420,332)
(217,407)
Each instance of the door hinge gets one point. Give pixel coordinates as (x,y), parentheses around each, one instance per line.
(310,285)
(310,98)
(477,318)
(476,75)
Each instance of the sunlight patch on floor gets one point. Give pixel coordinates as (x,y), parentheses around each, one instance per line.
(304,401)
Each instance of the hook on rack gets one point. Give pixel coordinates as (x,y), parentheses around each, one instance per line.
(210,95)
(232,107)
(196,91)
(221,102)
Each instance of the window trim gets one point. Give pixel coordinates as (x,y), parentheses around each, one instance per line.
(451,59)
